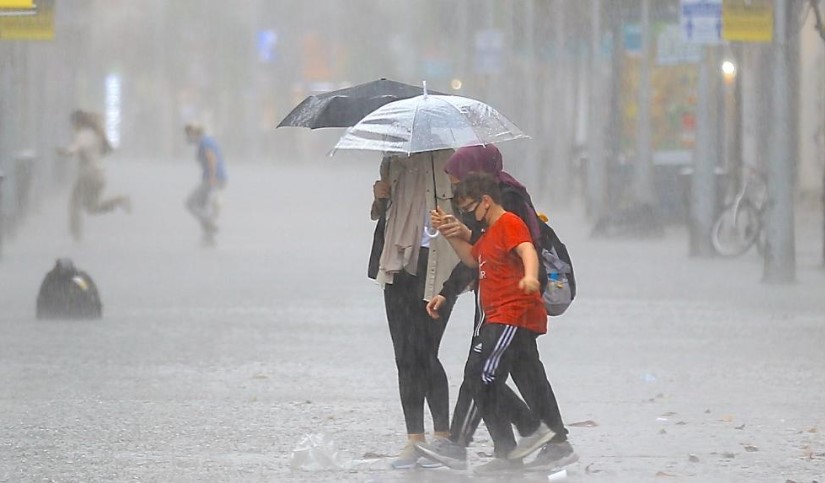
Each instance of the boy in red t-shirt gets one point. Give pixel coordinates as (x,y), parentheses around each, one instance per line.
(514,317)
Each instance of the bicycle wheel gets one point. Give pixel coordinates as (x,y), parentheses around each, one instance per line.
(733,237)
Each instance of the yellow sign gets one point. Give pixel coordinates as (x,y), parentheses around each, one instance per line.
(39,26)
(16,3)
(747,20)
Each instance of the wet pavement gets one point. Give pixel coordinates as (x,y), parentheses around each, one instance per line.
(211,364)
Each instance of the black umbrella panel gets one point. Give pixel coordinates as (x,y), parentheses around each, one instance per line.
(345,107)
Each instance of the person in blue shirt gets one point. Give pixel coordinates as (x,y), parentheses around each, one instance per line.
(204,202)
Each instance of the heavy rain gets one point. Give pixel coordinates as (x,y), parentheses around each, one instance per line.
(198,285)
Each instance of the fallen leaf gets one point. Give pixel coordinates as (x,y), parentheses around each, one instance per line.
(750,449)
(693,458)
(813,430)
(728,455)
(589,471)
(662,431)
(371,455)
(485,455)
(584,424)
(669,413)
(742,426)
(727,418)
(707,411)
(681,423)
(660,474)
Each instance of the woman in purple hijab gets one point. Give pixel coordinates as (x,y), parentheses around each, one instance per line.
(487,159)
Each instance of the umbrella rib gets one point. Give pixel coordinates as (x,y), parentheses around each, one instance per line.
(412,126)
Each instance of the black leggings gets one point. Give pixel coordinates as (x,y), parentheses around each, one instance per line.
(415,340)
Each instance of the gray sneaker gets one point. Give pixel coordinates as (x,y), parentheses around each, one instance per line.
(444,451)
(407,459)
(531,443)
(554,456)
(498,466)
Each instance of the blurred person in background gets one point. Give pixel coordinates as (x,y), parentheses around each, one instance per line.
(90,144)
(205,201)
(411,263)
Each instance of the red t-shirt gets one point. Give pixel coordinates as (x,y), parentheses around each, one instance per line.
(499,272)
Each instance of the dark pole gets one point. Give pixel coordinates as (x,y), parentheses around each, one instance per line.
(780,257)
(820,28)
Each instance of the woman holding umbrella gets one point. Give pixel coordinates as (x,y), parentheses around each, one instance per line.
(411,264)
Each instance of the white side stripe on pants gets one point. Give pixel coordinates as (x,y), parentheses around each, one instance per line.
(488,374)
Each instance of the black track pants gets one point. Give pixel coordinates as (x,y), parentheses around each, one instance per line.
(509,351)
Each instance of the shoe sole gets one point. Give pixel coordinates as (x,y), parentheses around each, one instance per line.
(405,466)
(430,464)
(450,462)
(519,453)
(556,465)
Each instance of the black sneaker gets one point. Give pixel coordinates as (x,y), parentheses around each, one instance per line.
(444,451)
(498,466)
(553,456)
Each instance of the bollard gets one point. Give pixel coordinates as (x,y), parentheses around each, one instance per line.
(24,162)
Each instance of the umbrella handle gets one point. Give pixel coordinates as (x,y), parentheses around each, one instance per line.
(431,235)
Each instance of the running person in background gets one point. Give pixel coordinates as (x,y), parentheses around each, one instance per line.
(90,144)
(204,202)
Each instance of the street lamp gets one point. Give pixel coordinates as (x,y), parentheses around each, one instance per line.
(728,71)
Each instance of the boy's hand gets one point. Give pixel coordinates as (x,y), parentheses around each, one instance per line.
(434,304)
(450,227)
(438,217)
(529,285)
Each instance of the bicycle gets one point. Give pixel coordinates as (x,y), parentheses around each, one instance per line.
(740,225)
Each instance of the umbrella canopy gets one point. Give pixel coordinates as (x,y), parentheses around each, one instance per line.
(429,123)
(345,107)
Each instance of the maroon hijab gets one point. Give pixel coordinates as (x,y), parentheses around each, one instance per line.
(487,159)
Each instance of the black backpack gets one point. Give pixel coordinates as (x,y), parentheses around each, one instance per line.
(68,293)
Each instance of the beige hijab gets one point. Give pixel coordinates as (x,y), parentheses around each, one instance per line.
(405,217)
